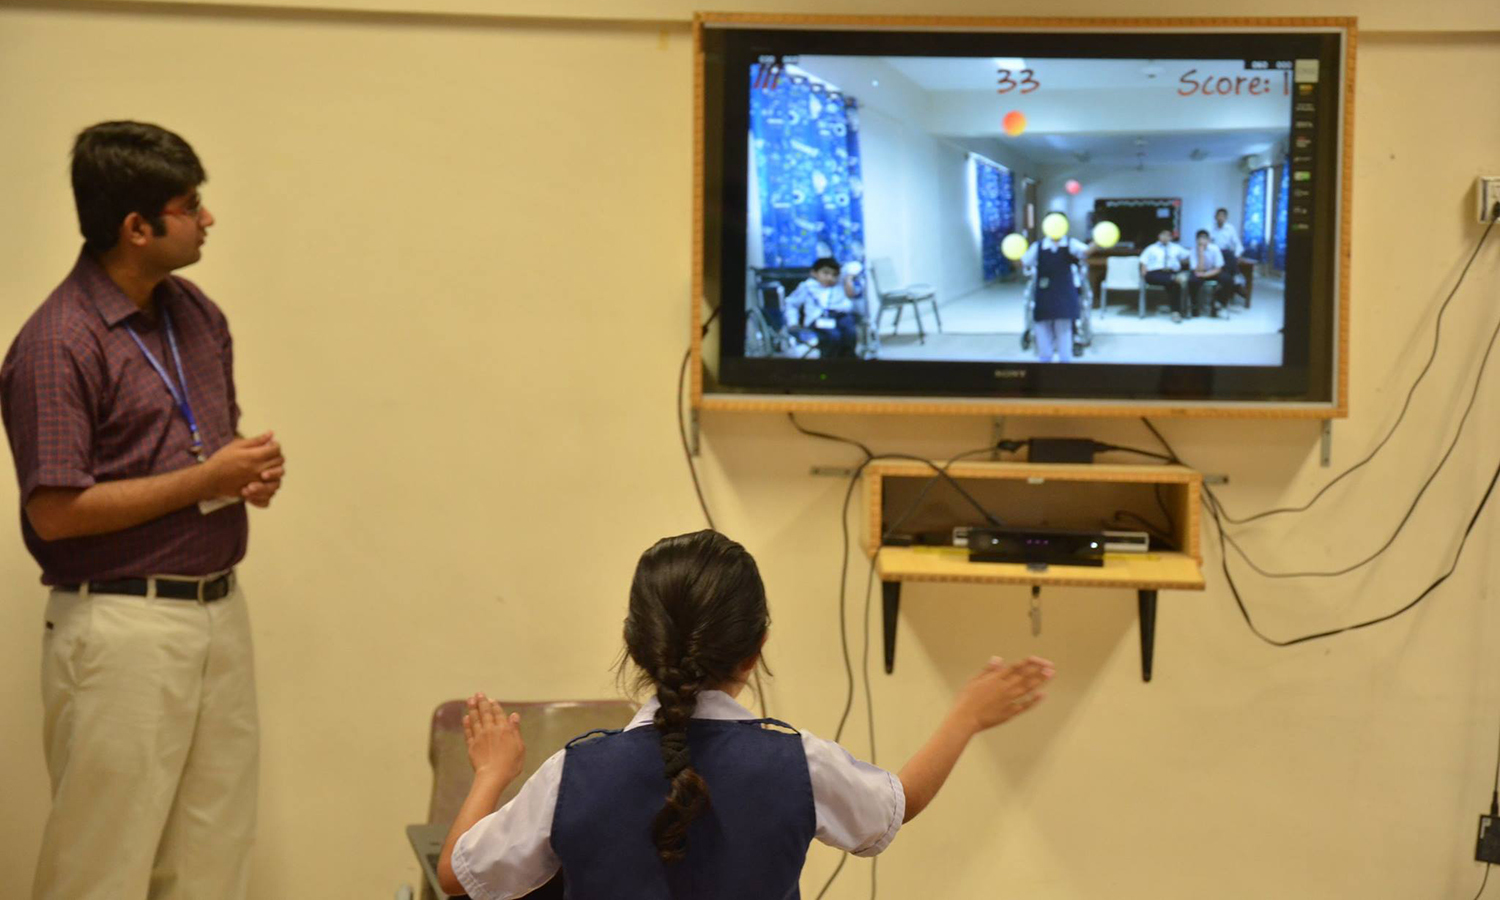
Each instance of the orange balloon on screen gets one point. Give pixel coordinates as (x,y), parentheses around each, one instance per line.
(1014,123)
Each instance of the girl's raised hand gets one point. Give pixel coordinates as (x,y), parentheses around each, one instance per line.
(493,739)
(1002,691)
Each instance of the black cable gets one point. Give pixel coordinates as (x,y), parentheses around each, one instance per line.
(869,582)
(1102,447)
(942,472)
(760,693)
(1495,796)
(1452,445)
(1163,536)
(1410,510)
(843,614)
(1212,502)
(1485,881)
(792,417)
(870,697)
(843,624)
(836,870)
(932,482)
(1166,511)
(844,565)
(687,451)
(870,455)
(1171,454)
(1436,337)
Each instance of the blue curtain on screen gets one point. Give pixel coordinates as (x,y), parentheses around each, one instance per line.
(993,192)
(1253,228)
(804,137)
(1278,229)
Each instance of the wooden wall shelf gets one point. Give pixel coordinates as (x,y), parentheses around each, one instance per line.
(901,497)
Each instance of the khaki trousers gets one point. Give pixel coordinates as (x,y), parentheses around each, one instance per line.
(152,743)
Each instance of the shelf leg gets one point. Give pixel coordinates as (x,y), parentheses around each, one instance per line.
(1146,601)
(890,595)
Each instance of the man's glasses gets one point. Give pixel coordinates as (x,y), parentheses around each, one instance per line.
(194,209)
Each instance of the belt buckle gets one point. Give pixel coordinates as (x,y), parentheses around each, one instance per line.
(226,581)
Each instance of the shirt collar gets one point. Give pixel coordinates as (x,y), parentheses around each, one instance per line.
(107,297)
(711,705)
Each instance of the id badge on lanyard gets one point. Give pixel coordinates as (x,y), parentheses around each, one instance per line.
(184,405)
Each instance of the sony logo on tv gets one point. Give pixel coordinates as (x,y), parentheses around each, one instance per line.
(1010,373)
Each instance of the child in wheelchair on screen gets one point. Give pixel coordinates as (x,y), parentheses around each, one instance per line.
(830,302)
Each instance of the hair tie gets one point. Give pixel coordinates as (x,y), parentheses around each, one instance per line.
(674,753)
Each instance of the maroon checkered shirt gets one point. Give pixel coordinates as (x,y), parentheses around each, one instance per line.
(82,405)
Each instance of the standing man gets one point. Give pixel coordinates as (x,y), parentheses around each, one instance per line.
(1227,239)
(118,400)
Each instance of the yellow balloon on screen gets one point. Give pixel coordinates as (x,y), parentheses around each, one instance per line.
(1106,234)
(1014,123)
(1013,247)
(1055,226)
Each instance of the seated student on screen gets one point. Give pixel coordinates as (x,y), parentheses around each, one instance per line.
(1161,264)
(696,797)
(1227,239)
(825,303)
(1055,266)
(1207,265)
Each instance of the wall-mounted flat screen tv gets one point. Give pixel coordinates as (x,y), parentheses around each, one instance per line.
(1129,214)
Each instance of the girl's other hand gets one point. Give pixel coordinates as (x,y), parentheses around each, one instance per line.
(493,739)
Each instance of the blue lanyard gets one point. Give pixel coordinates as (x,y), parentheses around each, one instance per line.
(181,397)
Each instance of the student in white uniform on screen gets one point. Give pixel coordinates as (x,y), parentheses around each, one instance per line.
(1161,264)
(1207,264)
(1227,239)
(827,302)
(696,797)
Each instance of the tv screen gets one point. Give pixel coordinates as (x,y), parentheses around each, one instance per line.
(1129,214)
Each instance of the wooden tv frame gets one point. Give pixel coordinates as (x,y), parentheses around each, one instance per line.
(983,406)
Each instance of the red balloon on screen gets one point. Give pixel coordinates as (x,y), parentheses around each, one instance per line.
(1073,186)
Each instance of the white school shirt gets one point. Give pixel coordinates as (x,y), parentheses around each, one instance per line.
(1078,248)
(1164,256)
(820,300)
(1212,258)
(857,807)
(1226,238)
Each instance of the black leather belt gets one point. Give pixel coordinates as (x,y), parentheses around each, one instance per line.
(211,590)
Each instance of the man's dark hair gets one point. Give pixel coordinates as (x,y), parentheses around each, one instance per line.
(121,168)
(826,262)
(1203,232)
(1221,210)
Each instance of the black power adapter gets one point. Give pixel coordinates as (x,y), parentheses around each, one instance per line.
(1060,450)
(1487,847)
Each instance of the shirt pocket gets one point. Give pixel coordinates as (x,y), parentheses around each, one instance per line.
(139,429)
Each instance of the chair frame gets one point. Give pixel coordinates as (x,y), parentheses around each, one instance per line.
(898,299)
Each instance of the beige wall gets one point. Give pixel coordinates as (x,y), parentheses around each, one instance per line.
(455,256)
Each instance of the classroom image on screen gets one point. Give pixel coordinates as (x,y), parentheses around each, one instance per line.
(1108,211)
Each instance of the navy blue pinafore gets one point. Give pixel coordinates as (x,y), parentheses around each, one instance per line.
(749,843)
